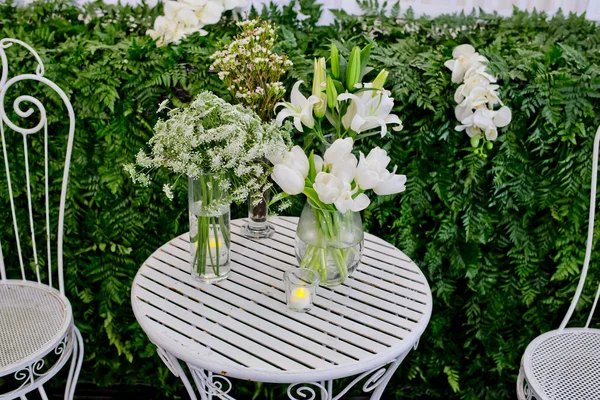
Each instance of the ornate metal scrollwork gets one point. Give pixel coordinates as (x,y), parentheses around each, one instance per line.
(212,384)
(304,390)
(31,375)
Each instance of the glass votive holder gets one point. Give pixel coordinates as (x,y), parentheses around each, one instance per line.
(300,288)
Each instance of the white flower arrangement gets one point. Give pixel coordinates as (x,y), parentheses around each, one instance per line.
(476,97)
(188,16)
(213,136)
(338,180)
(341,104)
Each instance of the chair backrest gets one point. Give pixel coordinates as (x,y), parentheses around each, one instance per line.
(7,126)
(590,239)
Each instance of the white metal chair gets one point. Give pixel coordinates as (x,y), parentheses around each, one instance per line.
(37,333)
(564,364)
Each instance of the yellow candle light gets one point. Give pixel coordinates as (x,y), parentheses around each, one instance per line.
(300,297)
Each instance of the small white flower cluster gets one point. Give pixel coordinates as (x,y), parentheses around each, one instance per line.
(213,136)
(251,69)
(476,97)
(188,16)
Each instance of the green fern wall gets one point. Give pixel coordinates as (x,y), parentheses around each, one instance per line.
(501,239)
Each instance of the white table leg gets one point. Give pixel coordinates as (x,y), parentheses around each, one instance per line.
(376,382)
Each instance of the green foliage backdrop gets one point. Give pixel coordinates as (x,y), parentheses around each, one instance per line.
(501,239)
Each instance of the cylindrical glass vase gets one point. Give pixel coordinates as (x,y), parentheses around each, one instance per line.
(330,243)
(258,226)
(210,239)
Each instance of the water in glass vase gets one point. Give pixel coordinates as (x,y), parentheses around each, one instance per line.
(210,235)
(330,243)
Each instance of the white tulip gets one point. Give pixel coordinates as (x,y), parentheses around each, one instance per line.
(372,174)
(466,60)
(328,187)
(368,111)
(338,150)
(346,202)
(391,184)
(299,107)
(371,168)
(295,159)
(318,163)
(290,180)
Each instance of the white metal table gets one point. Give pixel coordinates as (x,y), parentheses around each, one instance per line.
(241,327)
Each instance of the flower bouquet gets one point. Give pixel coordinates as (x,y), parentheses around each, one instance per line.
(329,238)
(221,149)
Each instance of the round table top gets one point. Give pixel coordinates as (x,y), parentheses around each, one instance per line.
(241,327)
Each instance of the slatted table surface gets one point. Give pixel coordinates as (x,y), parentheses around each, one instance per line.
(242,328)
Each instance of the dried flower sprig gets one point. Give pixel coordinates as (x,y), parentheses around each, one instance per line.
(251,69)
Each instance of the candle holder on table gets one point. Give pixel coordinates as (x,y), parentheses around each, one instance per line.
(300,288)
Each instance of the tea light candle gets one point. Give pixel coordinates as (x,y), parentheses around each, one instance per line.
(300,288)
(300,298)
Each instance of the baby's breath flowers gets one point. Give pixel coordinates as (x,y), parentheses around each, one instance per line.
(251,69)
(213,136)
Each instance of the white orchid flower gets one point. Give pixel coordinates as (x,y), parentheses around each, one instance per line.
(328,187)
(367,112)
(478,97)
(346,201)
(231,4)
(485,122)
(299,107)
(465,59)
(211,13)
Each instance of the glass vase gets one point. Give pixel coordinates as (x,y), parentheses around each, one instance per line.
(258,226)
(329,242)
(210,239)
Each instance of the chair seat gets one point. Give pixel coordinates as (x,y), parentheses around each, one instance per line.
(34,318)
(564,365)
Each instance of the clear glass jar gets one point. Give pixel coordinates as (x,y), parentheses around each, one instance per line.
(300,288)
(210,233)
(258,226)
(330,243)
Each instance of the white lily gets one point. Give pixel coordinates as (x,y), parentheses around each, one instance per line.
(289,179)
(346,201)
(367,112)
(299,107)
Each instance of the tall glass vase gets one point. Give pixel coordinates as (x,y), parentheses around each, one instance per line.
(329,242)
(210,239)
(258,226)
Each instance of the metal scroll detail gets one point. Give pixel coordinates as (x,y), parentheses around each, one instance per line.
(376,380)
(212,384)
(32,376)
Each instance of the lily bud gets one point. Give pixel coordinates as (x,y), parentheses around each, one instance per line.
(380,80)
(353,69)
(318,86)
(332,93)
(335,62)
